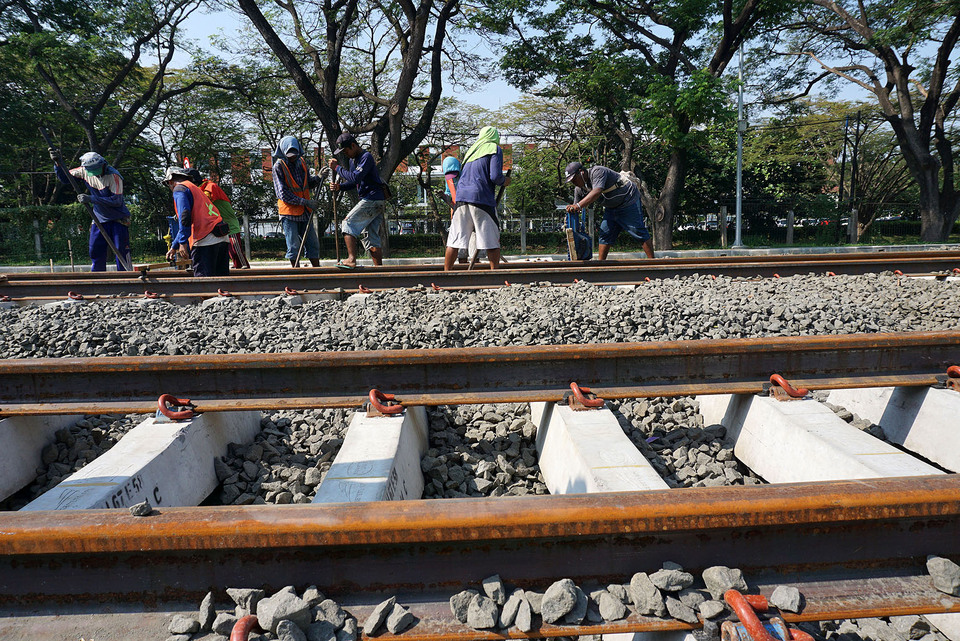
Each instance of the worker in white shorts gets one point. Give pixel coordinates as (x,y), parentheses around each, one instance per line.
(476,205)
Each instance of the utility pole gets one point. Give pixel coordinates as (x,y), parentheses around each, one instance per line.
(843,167)
(741,128)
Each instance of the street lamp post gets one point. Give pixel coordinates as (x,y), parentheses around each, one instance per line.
(741,129)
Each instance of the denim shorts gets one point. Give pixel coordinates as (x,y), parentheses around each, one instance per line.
(364,222)
(628,219)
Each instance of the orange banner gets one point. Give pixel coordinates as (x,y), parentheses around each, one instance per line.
(267,164)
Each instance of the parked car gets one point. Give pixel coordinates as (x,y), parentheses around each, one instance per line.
(273,234)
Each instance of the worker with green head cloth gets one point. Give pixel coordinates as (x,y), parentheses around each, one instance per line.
(476,206)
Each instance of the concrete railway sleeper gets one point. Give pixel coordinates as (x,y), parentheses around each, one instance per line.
(332,283)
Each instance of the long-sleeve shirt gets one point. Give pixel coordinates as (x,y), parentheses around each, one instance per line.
(106,192)
(285,192)
(478,179)
(364,176)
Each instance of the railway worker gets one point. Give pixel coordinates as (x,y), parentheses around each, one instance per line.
(106,195)
(476,208)
(203,234)
(293,182)
(221,201)
(451,176)
(365,220)
(621,204)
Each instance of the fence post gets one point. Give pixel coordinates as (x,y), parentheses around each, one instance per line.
(852,227)
(523,233)
(36,239)
(246,236)
(722,226)
(789,226)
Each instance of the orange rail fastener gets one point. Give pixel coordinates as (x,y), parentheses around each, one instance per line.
(243,627)
(74,296)
(831,274)
(4,299)
(580,394)
(223,292)
(436,287)
(364,290)
(898,272)
(791,391)
(290,292)
(180,415)
(150,295)
(743,607)
(377,400)
(953,371)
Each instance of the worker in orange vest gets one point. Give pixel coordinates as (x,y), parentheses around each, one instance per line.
(293,182)
(203,235)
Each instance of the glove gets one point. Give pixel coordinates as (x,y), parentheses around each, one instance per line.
(84,199)
(311,204)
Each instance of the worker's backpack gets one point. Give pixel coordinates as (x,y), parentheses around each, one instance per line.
(579,243)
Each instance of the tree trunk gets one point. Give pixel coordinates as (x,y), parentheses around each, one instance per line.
(661,211)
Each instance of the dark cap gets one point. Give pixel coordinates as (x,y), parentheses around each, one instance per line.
(343,141)
(573,169)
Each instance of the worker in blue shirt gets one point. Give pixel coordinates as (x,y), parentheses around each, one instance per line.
(366,218)
(106,195)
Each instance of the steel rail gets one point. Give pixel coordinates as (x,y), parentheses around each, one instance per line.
(853,548)
(263,282)
(473,375)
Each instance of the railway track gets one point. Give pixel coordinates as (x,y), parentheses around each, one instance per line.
(855,548)
(331,282)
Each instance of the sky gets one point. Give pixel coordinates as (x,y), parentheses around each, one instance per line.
(201,26)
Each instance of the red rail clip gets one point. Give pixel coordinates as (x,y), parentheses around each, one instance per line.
(776,275)
(150,295)
(581,398)
(956,270)
(290,292)
(898,272)
(830,274)
(364,290)
(243,627)
(436,287)
(176,415)
(953,378)
(223,292)
(377,404)
(4,299)
(782,390)
(646,279)
(74,296)
(507,283)
(744,609)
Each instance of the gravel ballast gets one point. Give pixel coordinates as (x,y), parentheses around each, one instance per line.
(287,460)
(481,450)
(669,432)
(685,308)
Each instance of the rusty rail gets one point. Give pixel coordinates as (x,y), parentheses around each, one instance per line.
(854,548)
(473,375)
(312,281)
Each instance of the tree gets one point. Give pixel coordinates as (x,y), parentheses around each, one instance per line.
(655,65)
(105,67)
(900,53)
(349,52)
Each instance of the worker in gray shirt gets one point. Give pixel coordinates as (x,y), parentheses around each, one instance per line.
(621,204)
